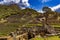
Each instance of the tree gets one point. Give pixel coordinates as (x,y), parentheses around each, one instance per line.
(46,9)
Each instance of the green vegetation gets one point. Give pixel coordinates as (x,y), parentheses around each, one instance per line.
(6,29)
(12,17)
(47,38)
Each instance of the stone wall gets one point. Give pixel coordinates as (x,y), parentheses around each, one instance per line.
(18,37)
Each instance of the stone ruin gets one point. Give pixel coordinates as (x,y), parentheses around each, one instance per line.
(31,32)
(26,33)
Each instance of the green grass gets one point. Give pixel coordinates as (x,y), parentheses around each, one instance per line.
(56,25)
(48,38)
(6,29)
(53,25)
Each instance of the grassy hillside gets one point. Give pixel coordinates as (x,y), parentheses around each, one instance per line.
(12,17)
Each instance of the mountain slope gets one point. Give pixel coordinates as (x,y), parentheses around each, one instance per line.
(58,10)
(12,17)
